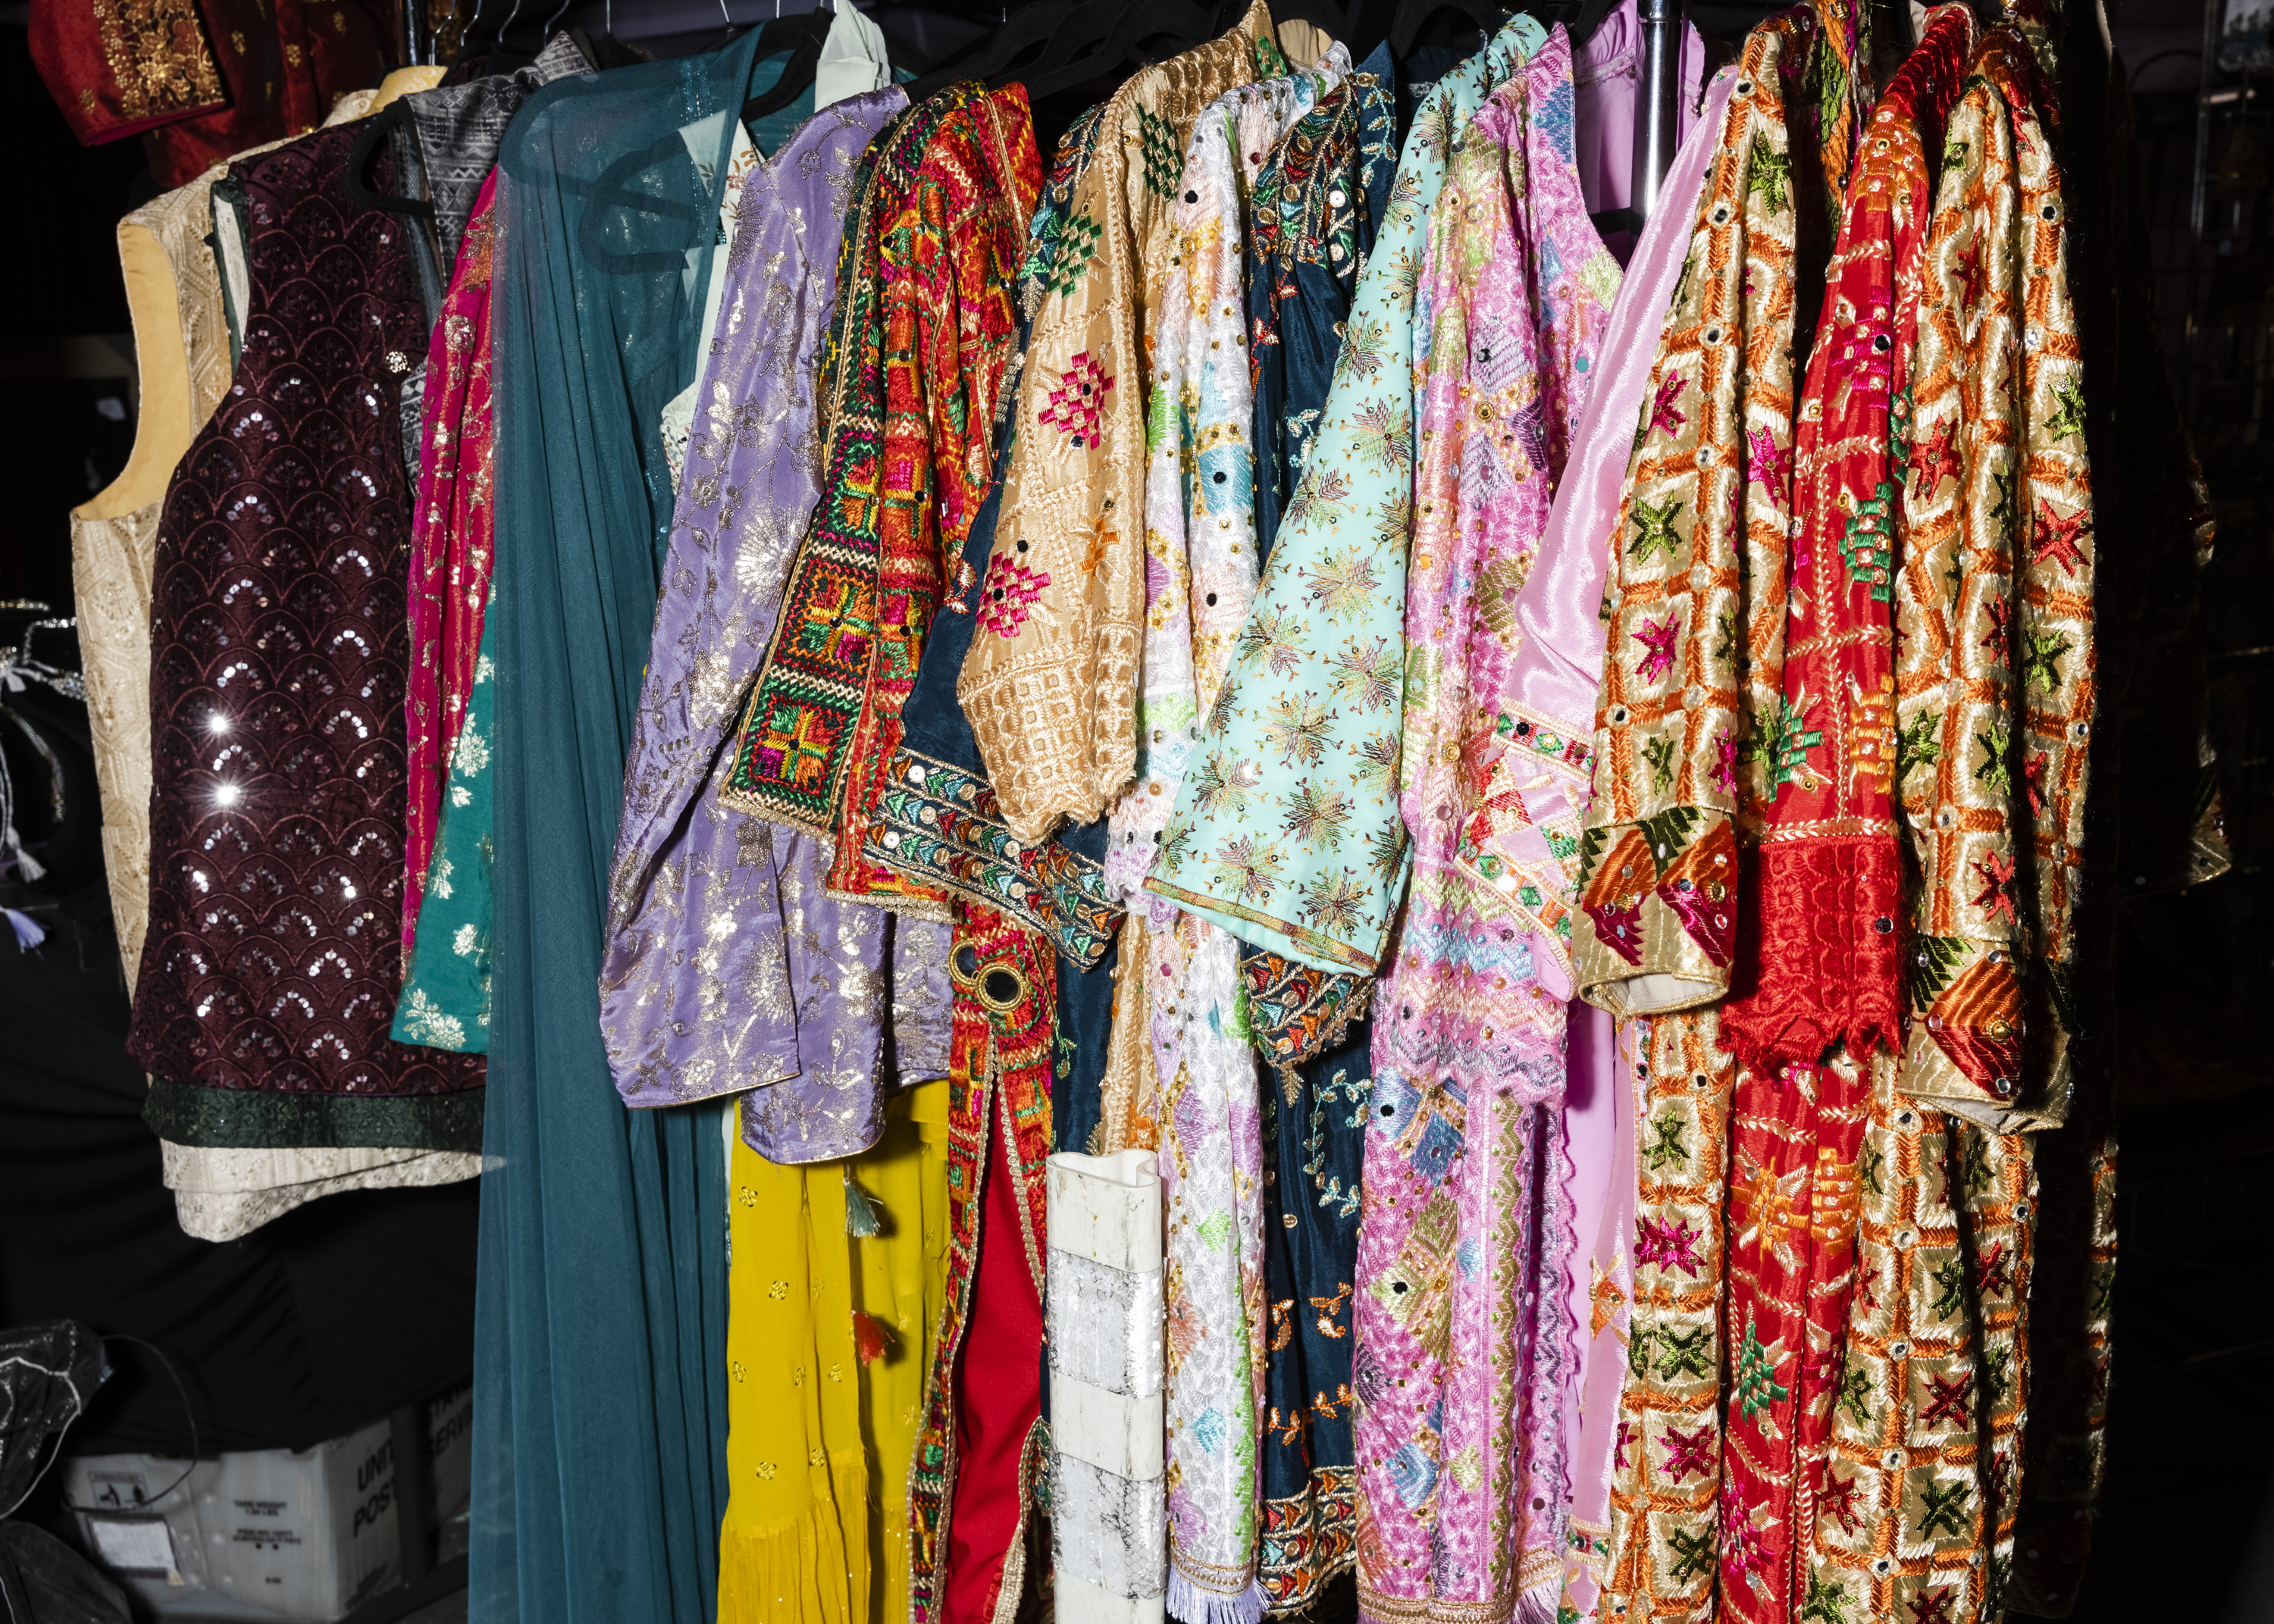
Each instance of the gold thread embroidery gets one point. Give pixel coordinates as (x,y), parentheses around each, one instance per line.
(158,58)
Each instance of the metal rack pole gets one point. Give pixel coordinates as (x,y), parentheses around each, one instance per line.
(1657,111)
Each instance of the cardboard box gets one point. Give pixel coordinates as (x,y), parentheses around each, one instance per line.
(270,1534)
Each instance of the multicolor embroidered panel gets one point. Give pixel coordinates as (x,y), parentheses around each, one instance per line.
(1996,586)
(1829,893)
(1314,695)
(1052,689)
(1662,1561)
(1697,579)
(1798,1126)
(951,331)
(789,751)
(1907,1512)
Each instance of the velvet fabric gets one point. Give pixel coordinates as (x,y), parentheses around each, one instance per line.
(206,79)
(278,649)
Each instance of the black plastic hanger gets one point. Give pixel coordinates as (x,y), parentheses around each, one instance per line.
(375,129)
(802,35)
(1035,26)
(1181,22)
(1405,25)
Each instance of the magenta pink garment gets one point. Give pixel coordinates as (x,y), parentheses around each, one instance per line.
(1557,674)
(1464,1242)
(451,530)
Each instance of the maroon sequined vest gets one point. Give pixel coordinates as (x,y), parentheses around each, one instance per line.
(278,646)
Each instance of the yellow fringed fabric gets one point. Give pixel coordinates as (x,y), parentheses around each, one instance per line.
(818,1444)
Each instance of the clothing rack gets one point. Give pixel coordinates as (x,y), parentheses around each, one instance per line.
(1656,114)
(1656,121)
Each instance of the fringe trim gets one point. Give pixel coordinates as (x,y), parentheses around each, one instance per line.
(1189,1603)
(1539,1604)
(814,1570)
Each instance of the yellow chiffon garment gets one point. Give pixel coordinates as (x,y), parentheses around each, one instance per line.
(818,1444)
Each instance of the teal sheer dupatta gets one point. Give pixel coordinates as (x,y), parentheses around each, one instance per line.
(599,1405)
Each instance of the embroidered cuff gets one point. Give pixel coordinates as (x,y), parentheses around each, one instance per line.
(1661,897)
(941,825)
(1524,781)
(1987,1043)
(1298,1012)
(1031,724)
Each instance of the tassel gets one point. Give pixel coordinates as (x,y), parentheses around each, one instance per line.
(862,1221)
(870,1340)
(1189,1603)
(1541,1604)
(29,932)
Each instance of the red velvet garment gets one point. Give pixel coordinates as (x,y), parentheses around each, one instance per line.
(119,67)
(276,683)
(452,526)
(998,1401)
(1830,893)
(205,79)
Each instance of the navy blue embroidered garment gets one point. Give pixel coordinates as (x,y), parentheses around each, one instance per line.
(1316,204)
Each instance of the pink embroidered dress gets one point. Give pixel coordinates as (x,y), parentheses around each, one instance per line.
(451,530)
(1465,1346)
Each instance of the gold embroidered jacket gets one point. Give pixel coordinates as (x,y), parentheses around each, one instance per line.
(1050,682)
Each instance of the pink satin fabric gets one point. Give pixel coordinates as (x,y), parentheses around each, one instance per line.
(1557,675)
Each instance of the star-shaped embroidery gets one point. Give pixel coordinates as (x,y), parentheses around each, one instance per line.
(1765,461)
(1664,414)
(1969,274)
(1997,874)
(1765,1207)
(1931,459)
(1838,1502)
(2069,420)
(1688,1452)
(1949,1399)
(2044,658)
(1654,530)
(1658,642)
(2001,627)
(2055,536)
(1766,174)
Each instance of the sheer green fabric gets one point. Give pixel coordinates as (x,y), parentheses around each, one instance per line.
(600,1419)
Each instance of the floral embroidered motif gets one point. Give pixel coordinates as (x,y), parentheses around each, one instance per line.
(1077,401)
(1008,595)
